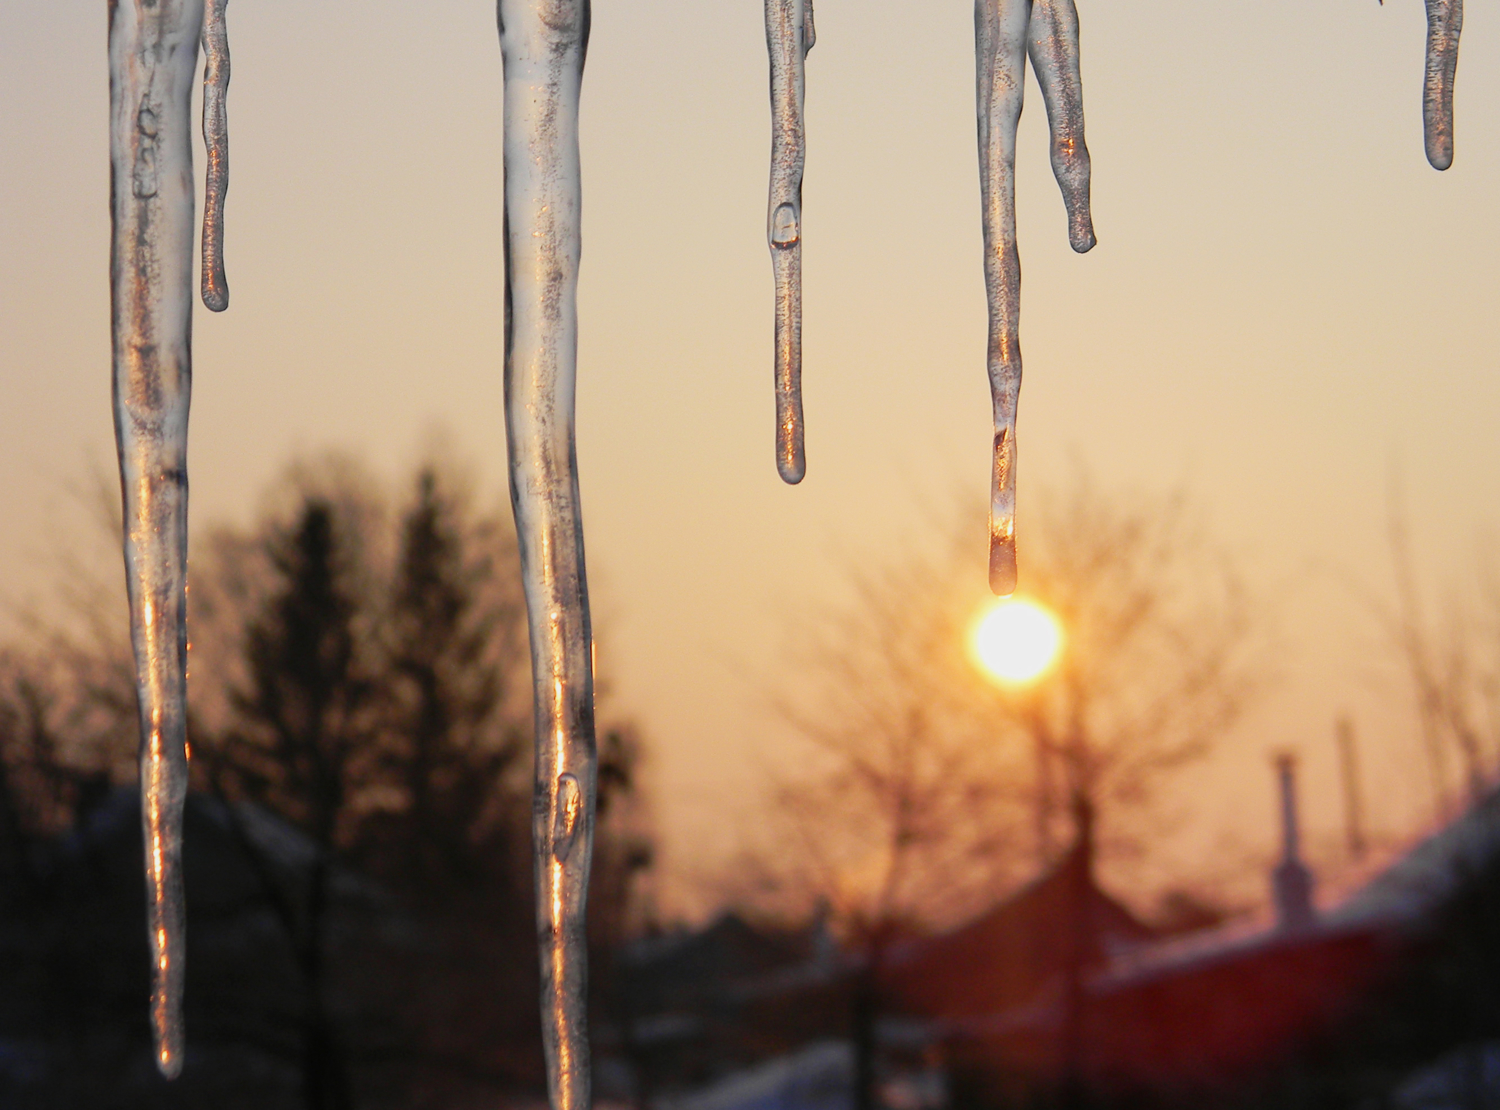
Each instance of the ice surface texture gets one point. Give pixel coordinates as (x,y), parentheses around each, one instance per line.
(789,36)
(1005,31)
(153,50)
(543,44)
(1445,19)
(216,145)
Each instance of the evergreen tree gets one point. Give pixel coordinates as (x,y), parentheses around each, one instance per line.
(304,740)
(305,720)
(452,638)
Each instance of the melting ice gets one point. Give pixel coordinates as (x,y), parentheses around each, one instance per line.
(789,36)
(1445,19)
(152,55)
(153,51)
(543,44)
(216,145)
(1006,32)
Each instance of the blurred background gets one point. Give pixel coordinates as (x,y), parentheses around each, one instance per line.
(1258,484)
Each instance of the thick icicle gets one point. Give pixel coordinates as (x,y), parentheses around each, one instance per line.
(789,36)
(1052,42)
(1445,19)
(216,144)
(543,44)
(1000,31)
(153,50)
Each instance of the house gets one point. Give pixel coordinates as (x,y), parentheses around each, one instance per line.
(1351,1001)
(1386,994)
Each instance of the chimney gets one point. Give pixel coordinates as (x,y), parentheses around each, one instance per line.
(1291,881)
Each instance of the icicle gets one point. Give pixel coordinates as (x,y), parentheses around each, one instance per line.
(1052,43)
(1000,28)
(216,143)
(1005,31)
(153,50)
(1445,19)
(789,36)
(543,44)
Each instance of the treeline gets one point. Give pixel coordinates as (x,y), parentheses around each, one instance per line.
(359,670)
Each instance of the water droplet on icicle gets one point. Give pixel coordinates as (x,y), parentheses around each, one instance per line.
(789,36)
(784,226)
(543,44)
(152,56)
(566,811)
(215,285)
(144,176)
(1445,20)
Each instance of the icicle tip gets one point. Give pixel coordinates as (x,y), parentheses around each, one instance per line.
(791,458)
(1002,565)
(1081,234)
(169,1063)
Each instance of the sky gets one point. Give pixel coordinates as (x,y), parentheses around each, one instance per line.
(1286,308)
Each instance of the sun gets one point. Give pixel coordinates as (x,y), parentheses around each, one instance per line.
(1017,640)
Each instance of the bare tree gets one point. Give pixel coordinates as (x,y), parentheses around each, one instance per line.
(1453,666)
(1158,658)
(921,776)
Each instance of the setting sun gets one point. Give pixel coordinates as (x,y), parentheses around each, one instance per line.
(1017,640)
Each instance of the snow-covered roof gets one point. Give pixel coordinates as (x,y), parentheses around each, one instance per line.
(1427,872)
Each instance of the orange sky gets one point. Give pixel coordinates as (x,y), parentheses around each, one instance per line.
(1285,301)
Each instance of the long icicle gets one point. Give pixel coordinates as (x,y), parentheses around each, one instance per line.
(1005,32)
(1000,28)
(543,43)
(216,146)
(1445,20)
(153,51)
(789,36)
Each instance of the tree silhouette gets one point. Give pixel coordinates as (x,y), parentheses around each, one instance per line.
(305,719)
(360,675)
(302,744)
(909,810)
(449,749)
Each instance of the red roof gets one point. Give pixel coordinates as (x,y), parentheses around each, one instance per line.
(1006,956)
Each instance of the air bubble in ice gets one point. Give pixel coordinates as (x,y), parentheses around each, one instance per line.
(784,229)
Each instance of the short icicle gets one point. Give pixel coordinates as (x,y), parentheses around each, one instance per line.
(153,51)
(543,44)
(216,146)
(1000,31)
(1445,20)
(1052,43)
(789,36)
